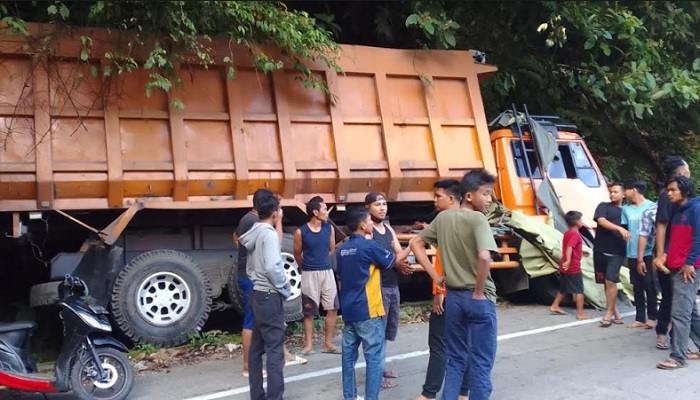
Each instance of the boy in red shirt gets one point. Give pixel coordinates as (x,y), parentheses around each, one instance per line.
(571,277)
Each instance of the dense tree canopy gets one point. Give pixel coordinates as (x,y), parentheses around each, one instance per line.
(627,72)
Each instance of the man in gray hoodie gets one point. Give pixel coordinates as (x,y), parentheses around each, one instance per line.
(270,289)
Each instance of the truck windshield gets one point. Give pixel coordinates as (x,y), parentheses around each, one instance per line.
(570,162)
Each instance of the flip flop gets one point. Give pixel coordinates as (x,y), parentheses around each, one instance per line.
(669,364)
(390,374)
(618,321)
(692,356)
(334,350)
(558,312)
(296,361)
(307,353)
(661,345)
(605,323)
(388,384)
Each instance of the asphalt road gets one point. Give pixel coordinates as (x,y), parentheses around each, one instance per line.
(540,356)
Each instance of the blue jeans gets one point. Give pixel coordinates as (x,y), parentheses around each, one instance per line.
(470,327)
(371,334)
(435,374)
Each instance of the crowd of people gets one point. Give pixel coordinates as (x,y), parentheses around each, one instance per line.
(462,334)
(658,242)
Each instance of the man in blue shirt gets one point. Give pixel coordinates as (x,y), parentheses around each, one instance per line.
(359,261)
(642,274)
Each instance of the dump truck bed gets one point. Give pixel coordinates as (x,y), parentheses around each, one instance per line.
(397,121)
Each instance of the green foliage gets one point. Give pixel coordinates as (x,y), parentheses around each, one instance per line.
(628,73)
(432,20)
(146,349)
(212,338)
(176,33)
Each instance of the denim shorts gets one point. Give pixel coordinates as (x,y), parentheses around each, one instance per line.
(246,289)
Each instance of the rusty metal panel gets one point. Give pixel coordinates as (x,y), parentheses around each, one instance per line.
(397,121)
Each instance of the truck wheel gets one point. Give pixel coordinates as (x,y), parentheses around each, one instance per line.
(43,294)
(161,297)
(235,296)
(292,307)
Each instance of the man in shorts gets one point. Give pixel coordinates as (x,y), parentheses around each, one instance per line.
(386,237)
(609,251)
(314,242)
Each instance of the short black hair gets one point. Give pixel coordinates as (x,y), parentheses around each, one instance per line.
(267,205)
(355,216)
(615,183)
(259,194)
(473,180)
(314,205)
(451,188)
(685,185)
(636,183)
(672,164)
(572,217)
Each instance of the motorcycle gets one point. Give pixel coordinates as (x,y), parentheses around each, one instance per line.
(91,363)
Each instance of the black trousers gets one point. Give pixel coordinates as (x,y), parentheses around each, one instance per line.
(665,306)
(644,290)
(268,338)
(437,361)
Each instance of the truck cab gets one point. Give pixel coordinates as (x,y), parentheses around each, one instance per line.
(576,178)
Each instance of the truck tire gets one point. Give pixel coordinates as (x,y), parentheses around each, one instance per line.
(292,307)
(235,296)
(183,307)
(43,294)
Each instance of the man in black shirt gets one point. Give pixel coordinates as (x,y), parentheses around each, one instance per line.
(609,251)
(673,166)
(384,234)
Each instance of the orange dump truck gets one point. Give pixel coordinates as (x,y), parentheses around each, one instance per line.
(168,185)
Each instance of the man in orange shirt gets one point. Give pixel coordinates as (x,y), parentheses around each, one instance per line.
(446,197)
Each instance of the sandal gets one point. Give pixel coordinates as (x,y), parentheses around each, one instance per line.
(390,374)
(605,323)
(692,356)
(387,384)
(661,345)
(618,321)
(296,361)
(669,364)
(334,350)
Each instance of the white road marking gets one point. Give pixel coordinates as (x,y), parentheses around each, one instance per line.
(405,356)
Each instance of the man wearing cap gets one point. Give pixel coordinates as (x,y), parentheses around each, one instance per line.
(384,235)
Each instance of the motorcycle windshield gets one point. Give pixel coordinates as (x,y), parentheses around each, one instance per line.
(99,268)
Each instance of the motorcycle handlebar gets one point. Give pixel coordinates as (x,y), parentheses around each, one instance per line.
(74,284)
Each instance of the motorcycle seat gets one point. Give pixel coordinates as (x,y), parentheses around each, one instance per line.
(16,326)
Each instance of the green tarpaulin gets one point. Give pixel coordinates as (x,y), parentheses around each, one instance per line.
(541,251)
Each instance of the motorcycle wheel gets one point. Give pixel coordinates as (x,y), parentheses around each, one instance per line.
(116,386)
